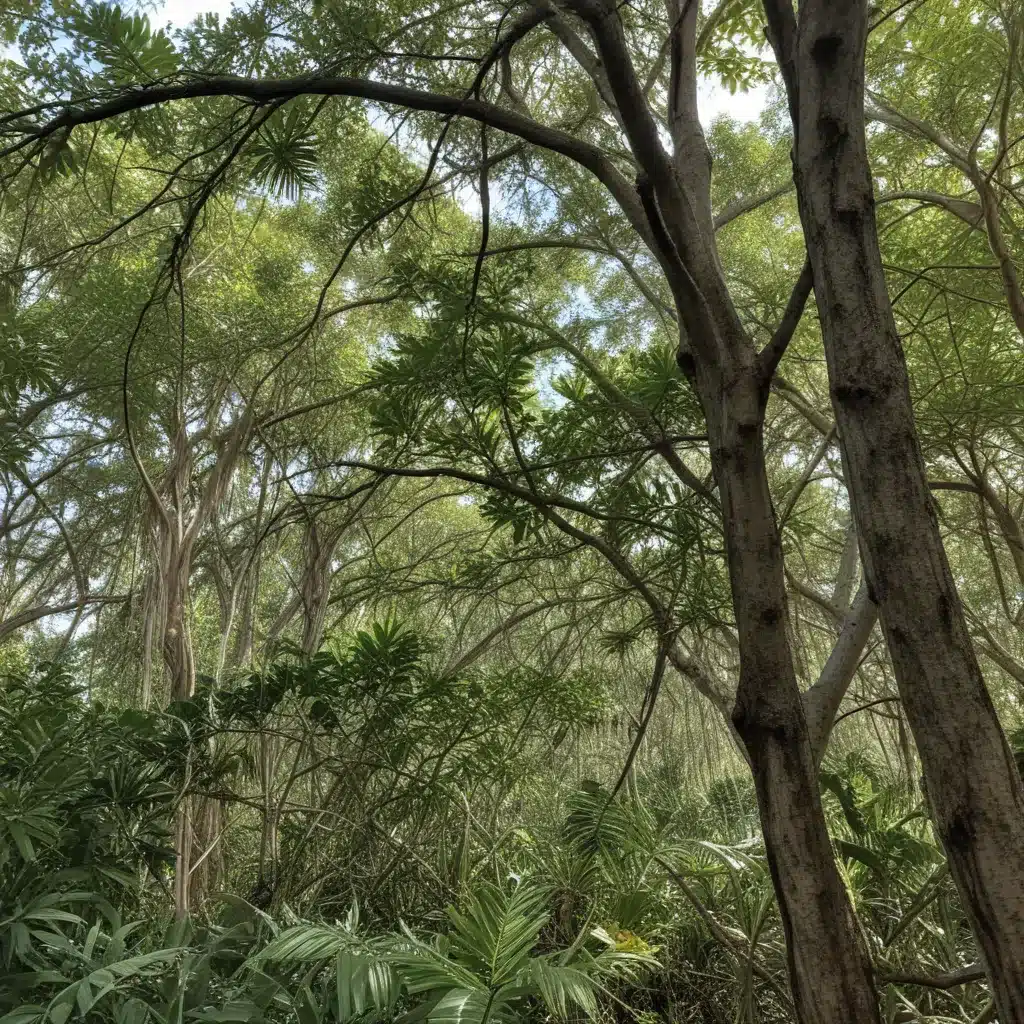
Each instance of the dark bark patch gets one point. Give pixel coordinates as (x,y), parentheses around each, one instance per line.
(771,615)
(831,131)
(945,612)
(685,362)
(760,734)
(851,219)
(960,834)
(855,397)
(825,51)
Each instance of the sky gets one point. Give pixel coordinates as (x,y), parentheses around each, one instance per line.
(182,12)
(712,98)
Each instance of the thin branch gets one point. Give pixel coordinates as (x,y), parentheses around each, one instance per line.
(941,981)
(822,700)
(771,355)
(742,206)
(650,700)
(864,707)
(805,477)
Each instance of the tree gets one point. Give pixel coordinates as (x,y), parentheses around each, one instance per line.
(968,765)
(629,79)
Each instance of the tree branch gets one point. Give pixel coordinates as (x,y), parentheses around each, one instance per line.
(742,206)
(822,700)
(265,91)
(805,477)
(941,981)
(771,355)
(30,615)
(968,212)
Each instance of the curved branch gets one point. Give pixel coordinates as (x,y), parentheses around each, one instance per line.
(822,700)
(265,91)
(968,212)
(30,615)
(771,355)
(942,981)
(865,707)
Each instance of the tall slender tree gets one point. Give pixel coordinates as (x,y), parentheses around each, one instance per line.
(636,130)
(969,770)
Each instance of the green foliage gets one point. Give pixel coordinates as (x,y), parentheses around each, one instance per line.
(484,968)
(285,154)
(83,820)
(81,797)
(125,44)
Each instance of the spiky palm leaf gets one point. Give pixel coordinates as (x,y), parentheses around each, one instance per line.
(484,971)
(495,933)
(286,154)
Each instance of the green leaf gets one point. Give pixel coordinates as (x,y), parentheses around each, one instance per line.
(869,858)
(462,1006)
(564,986)
(27,1014)
(285,154)
(126,44)
(21,840)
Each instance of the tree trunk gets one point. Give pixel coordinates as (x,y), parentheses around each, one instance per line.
(183,840)
(174,530)
(269,853)
(969,771)
(1011,530)
(320,543)
(226,581)
(245,633)
(829,969)
(178,655)
(248,583)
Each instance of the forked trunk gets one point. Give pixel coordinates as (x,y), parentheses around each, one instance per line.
(829,969)
(174,529)
(972,783)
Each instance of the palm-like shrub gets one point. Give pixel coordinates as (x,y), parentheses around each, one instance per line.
(84,813)
(486,967)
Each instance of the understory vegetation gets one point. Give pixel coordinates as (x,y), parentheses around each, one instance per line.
(483,542)
(391,846)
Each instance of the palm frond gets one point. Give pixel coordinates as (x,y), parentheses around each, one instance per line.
(285,154)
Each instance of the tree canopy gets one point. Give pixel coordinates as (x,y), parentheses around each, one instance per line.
(481,540)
